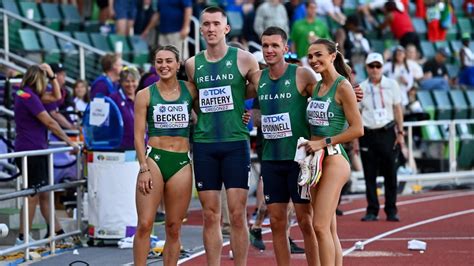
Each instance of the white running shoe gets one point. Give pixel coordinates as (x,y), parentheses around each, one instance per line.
(317,165)
(305,171)
(20,242)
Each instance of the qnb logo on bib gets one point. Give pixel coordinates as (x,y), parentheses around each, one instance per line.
(216,99)
(317,113)
(170,116)
(276,126)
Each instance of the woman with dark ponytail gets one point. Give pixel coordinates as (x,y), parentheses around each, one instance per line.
(333,104)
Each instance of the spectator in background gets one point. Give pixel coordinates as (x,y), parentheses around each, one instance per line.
(124,12)
(58,110)
(172,31)
(399,21)
(351,40)
(399,70)
(435,72)
(145,11)
(331,8)
(382,117)
(32,124)
(433,19)
(105,11)
(248,32)
(468,8)
(295,9)
(271,13)
(81,100)
(414,61)
(307,30)
(124,98)
(106,83)
(466,74)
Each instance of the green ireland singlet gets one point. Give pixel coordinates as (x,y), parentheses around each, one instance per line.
(169,118)
(324,115)
(221,90)
(283,120)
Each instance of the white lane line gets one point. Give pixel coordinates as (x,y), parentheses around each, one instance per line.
(401,203)
(413,201)
(199,254)
(456,238)
(422,222)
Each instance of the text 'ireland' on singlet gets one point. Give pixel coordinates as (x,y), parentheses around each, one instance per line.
(221,89)
(169,118)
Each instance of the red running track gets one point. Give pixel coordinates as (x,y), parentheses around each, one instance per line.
(444,220)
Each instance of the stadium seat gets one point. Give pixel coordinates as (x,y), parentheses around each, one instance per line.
(236,22)
(461,108)
(428,49)
(470,100)
(350,7)
(420,27)
(14,25)
(139,49)
(430,132)
(50,47)
(464,25)
(30,45)
(99,41)
(126,51)
(92,68)
(465,159)
(452,33)
(453,70)
(456,48)
(70,56)
(444,107)
(29,40)
(52,16)
(72,20)
(25,6)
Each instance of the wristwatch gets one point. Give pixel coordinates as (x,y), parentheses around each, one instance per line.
(328,141)
(53,77)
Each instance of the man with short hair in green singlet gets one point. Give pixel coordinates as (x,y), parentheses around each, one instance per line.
(283,90)
(221,149)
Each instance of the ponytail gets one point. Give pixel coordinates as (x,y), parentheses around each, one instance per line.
(341,66)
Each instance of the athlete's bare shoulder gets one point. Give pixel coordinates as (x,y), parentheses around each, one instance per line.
(189,67)
(246,63)
(305,80)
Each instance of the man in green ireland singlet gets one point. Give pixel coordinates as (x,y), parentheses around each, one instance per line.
(283,90)
(221,148)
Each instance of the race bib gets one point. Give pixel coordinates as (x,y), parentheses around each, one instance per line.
(170,116)
(216,99)
(334,149)
(276,126)
(317,113)
(380,115)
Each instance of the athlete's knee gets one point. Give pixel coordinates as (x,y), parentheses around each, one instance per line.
(237,218)
(321,227)
(211,216)
(144,227)
(173,230)
(305,223)
(278,223)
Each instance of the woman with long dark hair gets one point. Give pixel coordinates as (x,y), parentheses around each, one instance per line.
(332,106)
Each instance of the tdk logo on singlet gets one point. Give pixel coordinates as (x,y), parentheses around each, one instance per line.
(214,92)
(269,119)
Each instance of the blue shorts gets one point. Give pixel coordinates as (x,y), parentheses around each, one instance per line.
(125,9)
(280,182)
(223,162)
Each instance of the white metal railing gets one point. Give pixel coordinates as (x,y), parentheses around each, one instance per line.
(51,187)
(81,46)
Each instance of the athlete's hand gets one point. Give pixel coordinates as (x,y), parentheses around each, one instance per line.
(246,117)
(359,93)
(313,145)
(145,184)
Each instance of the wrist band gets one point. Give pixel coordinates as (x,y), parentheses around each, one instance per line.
(143,171)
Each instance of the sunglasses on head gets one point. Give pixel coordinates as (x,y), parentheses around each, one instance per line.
(291,56)
(375,66)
